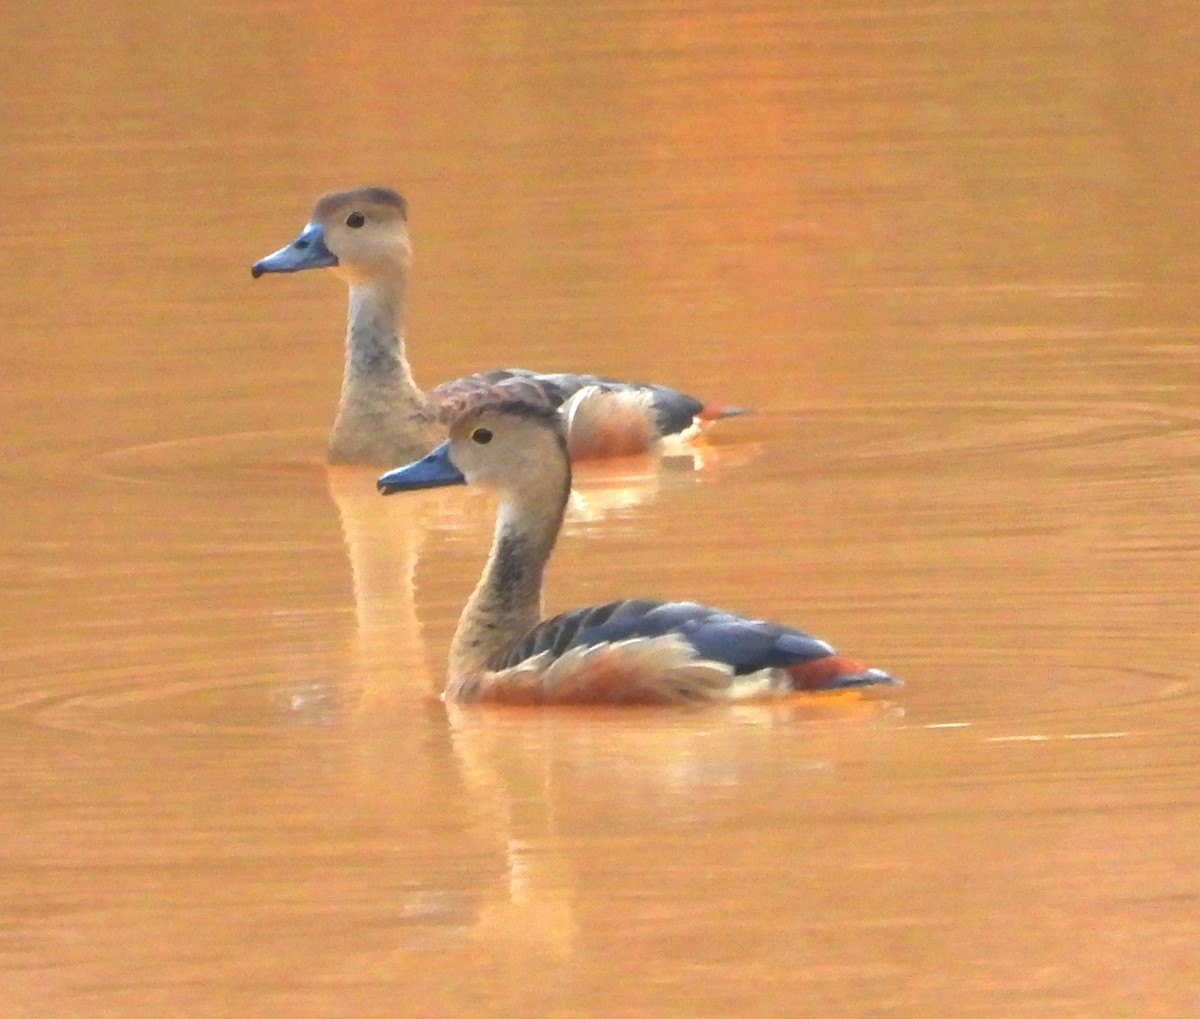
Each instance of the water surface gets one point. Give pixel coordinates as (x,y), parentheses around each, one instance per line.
(949,254)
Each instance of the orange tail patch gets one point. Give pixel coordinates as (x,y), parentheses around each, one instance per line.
(823,673)
(711,412)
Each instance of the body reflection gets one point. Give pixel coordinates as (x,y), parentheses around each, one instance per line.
(489,776)
(544,784)
(384,545)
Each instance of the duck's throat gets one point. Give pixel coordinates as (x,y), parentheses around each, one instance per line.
(373,341)
(382,414)
(507,602)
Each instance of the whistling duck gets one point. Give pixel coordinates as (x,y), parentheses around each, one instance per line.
(383,417)
(632,651)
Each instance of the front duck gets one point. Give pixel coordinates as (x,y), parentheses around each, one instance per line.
(383,416)
(634,651)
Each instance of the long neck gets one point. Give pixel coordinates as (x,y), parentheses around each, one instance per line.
(382,414)
(507,602)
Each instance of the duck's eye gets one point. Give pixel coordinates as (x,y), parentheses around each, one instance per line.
(355,220)
(482,436)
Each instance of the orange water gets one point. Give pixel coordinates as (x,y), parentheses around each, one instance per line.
(949,254)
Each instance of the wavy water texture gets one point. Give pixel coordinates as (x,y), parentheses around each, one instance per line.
(948,256)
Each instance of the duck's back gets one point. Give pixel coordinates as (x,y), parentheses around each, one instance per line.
(665,410)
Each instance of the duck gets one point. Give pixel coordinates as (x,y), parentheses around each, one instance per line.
(632,651)
(383,417)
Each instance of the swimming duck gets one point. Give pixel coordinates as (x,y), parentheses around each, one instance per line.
(634,651)
(383,417)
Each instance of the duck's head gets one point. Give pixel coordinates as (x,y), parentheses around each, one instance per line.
(514,446)
(360,234)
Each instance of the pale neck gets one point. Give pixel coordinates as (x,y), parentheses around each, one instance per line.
(507,602)
(375,322)
(381,417)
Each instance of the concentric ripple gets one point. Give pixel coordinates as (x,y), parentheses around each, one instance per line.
(1109,438)
(170,685)
(201,460)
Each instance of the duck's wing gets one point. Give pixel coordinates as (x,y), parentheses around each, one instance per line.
(646,642)
(672,411)
(612,407)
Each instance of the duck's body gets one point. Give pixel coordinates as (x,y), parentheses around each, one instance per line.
(383,416)
(627,652)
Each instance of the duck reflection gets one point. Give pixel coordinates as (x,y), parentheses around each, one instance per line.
(493,778)
(570,794)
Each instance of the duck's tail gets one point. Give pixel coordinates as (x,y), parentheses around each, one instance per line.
(836,672)
(711,412)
